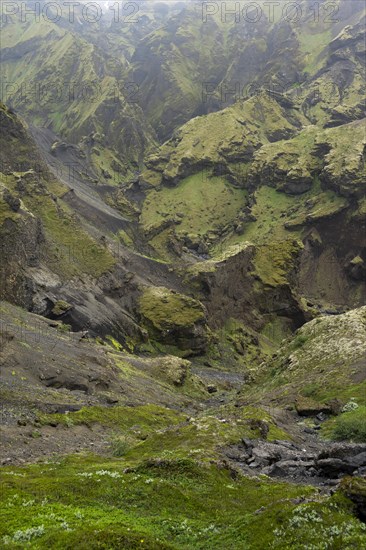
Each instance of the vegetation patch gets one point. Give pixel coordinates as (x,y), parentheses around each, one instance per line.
(169,504)
(198,204)
(275,261)
(61,307)
(72,248)
(124,418)
(324,361)
(348,426)
(166,309)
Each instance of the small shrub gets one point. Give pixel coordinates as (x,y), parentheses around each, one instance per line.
(350,406)
(299,341)
(351,426)
(27,535)
(63,327)
(69,421)
(310,390)
(61,307)
(120,446)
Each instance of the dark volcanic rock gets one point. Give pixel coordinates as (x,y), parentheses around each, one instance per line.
(69,382)
(333,467)
(284,459)
(343,450)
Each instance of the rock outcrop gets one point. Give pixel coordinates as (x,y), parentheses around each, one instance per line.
(286,460)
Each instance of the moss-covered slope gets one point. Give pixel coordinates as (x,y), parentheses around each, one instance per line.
(325,360)
(57,79)
(209,56)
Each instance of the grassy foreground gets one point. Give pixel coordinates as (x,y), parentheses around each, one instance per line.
(166,486)
(87,502)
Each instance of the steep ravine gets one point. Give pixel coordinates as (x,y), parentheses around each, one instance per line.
(182,282)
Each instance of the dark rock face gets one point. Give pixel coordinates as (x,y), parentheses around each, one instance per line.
(63,380)
(12,201)
(285,459)
(225,298)
(357,268)
(191,340)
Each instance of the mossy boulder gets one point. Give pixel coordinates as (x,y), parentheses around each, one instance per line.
(305,406)
(60,308)
(174,319)
(173,370)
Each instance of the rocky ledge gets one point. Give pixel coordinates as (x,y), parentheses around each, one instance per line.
(285,459)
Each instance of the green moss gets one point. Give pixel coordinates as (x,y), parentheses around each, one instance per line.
(311,45)
(346,150)
(203,436)
(68,244)
(64,327)
(271,209)
(361,210)
(121,445)
(125,238)
(219,139)
(324,359)
(6,213)
(61,307)
(166,309)
(252,417)
(275,261)
(357,260)
(276,330)
(299,341)
(323,205)
(301,526)
(124,418)
(116,345)
(294,165)
(205,203)
(236,348)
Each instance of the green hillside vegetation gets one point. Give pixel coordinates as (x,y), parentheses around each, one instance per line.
(182,277)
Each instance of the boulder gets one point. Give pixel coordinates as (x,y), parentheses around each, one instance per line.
(60,308)
(69,381)
(172,369)
(343,450)
(333,467)
(285,459)
(308,407)
(336,406)
(357,268)
(174,319)
(294,468)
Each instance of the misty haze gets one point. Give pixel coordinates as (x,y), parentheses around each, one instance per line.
(183,275)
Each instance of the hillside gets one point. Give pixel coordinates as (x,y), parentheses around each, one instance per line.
(182,275)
